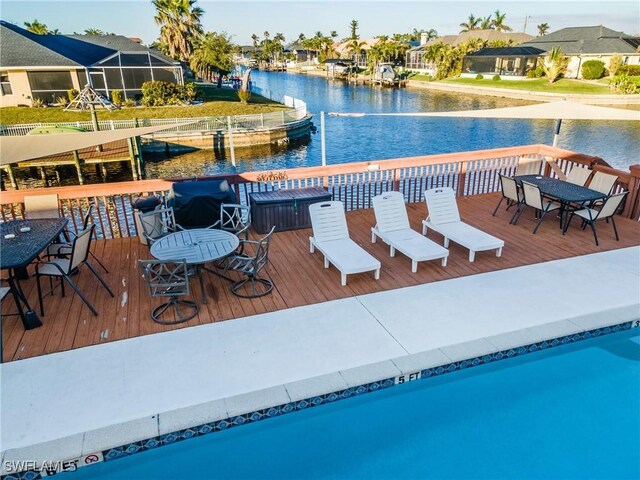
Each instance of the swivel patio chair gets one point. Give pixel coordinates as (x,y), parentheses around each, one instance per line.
(392,226)
(444,218)
(64,249)
(249,264)
(234,218)
(589,216)
(41,206)
(170,279)
(510,192)
(63,268)
(158,223)
(331,237)
(533,198)
(579,175)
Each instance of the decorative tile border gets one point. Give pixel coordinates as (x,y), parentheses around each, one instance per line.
(258,415)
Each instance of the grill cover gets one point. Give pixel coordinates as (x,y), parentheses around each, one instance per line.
(196,204)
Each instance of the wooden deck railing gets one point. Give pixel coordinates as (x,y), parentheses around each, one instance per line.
(355,184)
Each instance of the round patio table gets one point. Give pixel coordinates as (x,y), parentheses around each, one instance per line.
(197,247)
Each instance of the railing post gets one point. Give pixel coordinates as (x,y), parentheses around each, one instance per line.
(396,180)
(462,178)
(632,207)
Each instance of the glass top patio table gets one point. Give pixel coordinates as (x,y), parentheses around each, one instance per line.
(566,192)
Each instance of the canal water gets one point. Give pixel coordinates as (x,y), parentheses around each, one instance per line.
(350,139)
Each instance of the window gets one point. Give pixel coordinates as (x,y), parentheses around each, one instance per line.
(5,85)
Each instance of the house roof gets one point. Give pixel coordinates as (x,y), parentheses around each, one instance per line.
(508,52)
(585,40)
(489,35)
(21,48)
(367,43)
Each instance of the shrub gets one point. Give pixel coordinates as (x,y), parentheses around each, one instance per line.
(496,78)
(156,94)
(72,93)
(38,103)
(622,83)
(537,72)
(479,76)
(129,102)
(614,64)
(631,70)
(117,97)
(62,101)
(244,96)
(592,69)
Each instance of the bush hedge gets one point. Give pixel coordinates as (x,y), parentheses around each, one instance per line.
(592,69)
(157,94)
(479,76)
(631,70)
(117,97)
(496,78)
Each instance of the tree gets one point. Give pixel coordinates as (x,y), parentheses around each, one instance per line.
(354,29)
(498,22)
(255,39)
(180,26)
(37,27)
(213,52)
(471,23)
(486,23)
(555,64)
(543,28)
(95,31)
(301,38)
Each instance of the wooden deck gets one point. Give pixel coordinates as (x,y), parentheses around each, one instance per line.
(299,277)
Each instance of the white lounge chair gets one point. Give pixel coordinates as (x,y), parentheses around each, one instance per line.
(392,226)
(331,237)
(444,218)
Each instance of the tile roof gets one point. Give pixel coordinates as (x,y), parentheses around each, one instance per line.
(585,40)
(489,35)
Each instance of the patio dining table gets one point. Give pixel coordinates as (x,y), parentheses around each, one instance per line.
(565,192)
(196,246)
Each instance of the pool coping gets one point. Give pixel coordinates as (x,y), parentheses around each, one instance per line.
(166,427)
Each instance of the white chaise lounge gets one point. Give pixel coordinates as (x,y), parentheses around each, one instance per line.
(331,237)
(392,226)
(444,218)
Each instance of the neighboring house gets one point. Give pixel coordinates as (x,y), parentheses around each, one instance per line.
(246,55)
(578,43)
(47,66)
(301,54)
(344,51)
(416,56)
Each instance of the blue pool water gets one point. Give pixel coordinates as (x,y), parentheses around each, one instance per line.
(568,412)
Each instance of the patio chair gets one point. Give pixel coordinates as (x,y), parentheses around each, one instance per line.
(510,192)
(603,182)
(533,198)
(578,175)
(444,218)
(158,223)
(331,237)
(234,218)
(65,267)
(528,166)
(250,263)
(589,216)
(169,279)
(64,249)
(41,206)
(392,226)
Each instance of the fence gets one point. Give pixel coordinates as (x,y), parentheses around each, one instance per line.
(238,122)
(355,184)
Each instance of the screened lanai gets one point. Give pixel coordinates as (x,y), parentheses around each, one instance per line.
(508,61)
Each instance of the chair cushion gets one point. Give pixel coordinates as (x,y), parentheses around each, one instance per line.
(49,268)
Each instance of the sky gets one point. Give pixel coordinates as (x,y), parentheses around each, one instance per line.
(240,19)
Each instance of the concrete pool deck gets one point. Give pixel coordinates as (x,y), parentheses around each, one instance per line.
(69,404)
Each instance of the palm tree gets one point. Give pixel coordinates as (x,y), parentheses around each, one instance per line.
(354,28)
(37,27)
(498,22)
(94,31)
(255,39)
(212,52)
(301,38)
(555,64)
(486,23)
(543,28)
(470,24)
(180,26)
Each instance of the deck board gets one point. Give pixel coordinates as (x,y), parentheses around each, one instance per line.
(299,277)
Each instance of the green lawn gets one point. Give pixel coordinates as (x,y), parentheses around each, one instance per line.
(217,102)
(579,87)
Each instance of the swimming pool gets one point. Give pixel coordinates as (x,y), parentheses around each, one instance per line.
(568,412)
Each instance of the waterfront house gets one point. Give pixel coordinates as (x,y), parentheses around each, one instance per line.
(579,43)
(47,66)
(299,54)
(416,56)
(345,51)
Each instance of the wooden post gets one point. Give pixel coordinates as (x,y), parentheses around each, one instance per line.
(76,160)
(43,175)
(233,152)
(138,148)
(132,158)
(94,121)
(632,202)
(12,177)
(462,178)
